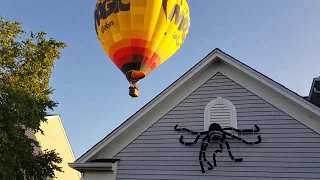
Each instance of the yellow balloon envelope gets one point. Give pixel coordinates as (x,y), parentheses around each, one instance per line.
(139,35)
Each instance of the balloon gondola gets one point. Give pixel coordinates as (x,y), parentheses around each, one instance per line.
(140,35)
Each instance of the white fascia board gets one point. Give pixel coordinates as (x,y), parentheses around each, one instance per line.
(90,166)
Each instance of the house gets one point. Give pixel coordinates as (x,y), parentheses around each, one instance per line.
(55,138)
(219,89)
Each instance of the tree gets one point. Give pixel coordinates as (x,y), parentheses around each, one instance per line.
(25,70)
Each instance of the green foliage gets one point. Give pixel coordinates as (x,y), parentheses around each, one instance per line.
(25,69)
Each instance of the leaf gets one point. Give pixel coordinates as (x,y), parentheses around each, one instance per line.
(25,71)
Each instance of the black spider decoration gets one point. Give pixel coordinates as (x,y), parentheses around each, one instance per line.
(216,132)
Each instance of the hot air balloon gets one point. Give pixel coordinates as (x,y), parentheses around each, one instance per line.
(140,35)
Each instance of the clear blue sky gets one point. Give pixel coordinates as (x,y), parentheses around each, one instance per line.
(279,38)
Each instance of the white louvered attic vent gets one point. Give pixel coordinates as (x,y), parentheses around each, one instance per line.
(220,111)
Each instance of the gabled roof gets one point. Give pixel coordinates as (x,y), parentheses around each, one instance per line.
(142,118)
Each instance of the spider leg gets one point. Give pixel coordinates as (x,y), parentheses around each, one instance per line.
(189,143)
(188,130)
(242,131)
(244,141)
(217,151)
(202,153)
(230,154)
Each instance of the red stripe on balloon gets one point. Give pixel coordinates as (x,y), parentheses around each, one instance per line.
(125,43)
(122,60)
(124,56)
(128,51)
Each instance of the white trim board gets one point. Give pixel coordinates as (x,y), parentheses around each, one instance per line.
(83,167)
(216,61)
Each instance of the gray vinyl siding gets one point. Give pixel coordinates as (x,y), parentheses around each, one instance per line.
(289,149)
(31,135)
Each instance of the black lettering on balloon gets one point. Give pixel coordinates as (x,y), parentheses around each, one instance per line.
(182,22)
(99,13)
(176,13)
(184,27)
(106,8)
(107,26)
(120,6)
(111,7)
(124,7)
(164,6)
(176,37)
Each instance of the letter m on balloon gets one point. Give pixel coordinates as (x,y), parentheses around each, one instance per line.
(175,12)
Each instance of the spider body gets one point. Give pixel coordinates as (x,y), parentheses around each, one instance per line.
(216,133)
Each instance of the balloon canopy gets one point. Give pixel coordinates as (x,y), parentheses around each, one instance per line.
(140,35)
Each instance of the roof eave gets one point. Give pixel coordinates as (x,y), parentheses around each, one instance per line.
(97,166)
